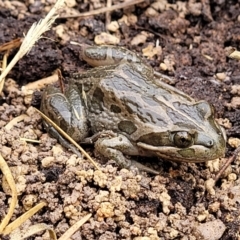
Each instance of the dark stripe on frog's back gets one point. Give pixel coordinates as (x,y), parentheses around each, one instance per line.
(129,86)
(131,91)
(91,76)
(183,104)
(134,93)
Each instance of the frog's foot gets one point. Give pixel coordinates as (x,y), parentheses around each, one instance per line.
(164,78)
(54,133)
(96,136)
(114,148)
(142,167)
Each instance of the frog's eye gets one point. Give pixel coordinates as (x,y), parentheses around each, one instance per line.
(182,139)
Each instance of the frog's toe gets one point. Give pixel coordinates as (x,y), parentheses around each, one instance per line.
(114,154)
(142,167)
(100,135)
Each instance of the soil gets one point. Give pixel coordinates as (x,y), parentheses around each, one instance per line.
(187,40)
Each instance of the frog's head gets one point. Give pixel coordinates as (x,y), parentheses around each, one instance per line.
(194,135)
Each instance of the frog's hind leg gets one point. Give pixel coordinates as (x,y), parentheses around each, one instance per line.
(68,112)
(108,55)
(113,148)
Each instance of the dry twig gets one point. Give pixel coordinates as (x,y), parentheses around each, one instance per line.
(227,163)
(39,84)
(105,9)
(11,45)
(108,15)
(4,65)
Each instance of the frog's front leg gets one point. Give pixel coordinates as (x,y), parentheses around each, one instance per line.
(115,148)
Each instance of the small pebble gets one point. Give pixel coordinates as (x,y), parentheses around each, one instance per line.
(214,207)
(106,38)
(139,38)
(48,161)
(221,76)
(232,177)
(113,26)
(163,66)
(6,151)
(211,230)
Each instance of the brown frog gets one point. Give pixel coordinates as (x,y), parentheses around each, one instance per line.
(146,116)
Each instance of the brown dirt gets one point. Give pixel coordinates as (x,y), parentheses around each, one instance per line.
(194,37)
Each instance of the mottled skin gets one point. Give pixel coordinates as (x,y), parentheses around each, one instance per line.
(147,116)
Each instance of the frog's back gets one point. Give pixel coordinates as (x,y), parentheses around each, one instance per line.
(128,94)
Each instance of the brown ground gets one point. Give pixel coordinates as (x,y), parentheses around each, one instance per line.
(178,204)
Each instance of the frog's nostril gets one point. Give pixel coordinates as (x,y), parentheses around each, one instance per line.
(210,143)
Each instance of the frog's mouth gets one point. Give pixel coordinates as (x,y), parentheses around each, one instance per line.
(194,153)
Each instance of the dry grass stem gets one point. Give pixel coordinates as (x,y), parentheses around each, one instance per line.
(25,233)
(29,140)
(14,121)
(48,120)
(75,227)
(7,173)
(33,35)
(15,224)
(105,9)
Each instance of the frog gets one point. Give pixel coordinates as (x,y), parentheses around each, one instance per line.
(130,111)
